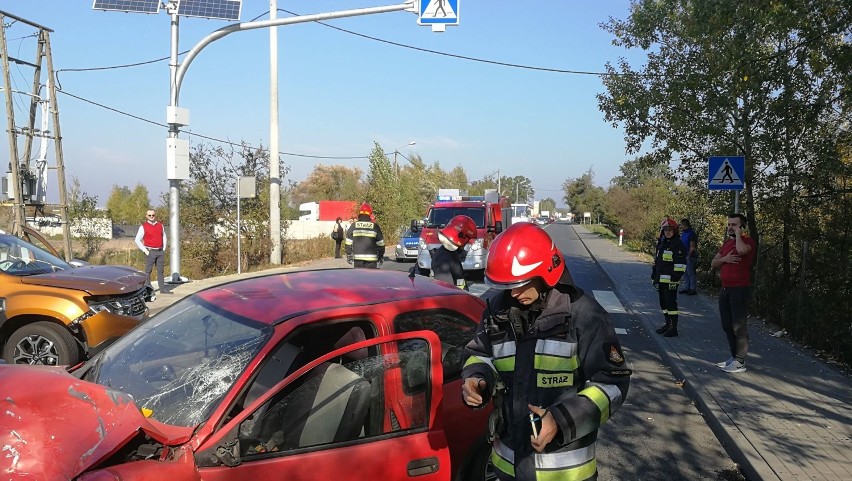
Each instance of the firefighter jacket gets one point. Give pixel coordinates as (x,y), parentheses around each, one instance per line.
(447,266)
(669,262)
(561,354)
(364,240)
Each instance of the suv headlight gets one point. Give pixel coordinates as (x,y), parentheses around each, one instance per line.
(476,245)
(422,244)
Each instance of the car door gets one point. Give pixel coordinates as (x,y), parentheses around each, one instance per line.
(334,418)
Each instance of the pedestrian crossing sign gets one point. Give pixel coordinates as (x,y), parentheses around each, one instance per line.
(438,14)
(726,173)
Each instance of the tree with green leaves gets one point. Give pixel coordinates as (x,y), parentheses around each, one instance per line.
(126,206)
(329,182)
(584,196)
(87,221)
(768,80)
(208,209)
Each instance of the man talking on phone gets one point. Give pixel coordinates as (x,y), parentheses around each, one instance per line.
(734,262)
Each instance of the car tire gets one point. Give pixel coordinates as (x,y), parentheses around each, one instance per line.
(423,272)
(41,342)
(479,466)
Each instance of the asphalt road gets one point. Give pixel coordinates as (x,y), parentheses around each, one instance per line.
(658,433)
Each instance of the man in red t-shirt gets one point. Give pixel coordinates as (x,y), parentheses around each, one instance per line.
(734,260)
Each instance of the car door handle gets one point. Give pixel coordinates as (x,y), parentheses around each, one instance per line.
(419,467)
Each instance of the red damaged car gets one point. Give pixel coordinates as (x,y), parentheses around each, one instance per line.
(346,374)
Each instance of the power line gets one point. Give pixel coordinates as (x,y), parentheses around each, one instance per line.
(214,139)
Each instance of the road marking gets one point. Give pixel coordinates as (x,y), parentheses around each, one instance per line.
(621,331)
(609,302)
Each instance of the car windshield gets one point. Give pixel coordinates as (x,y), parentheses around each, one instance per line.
(181,362)
(20,258)
(439,216)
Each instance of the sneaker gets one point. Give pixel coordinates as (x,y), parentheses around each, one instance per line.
(721,365)
(735,366)
(151,298)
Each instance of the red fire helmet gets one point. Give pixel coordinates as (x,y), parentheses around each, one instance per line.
(365,209)
(521,253)
(458,232)
(668,222)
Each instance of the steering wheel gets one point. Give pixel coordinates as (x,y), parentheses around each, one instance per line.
(11,264)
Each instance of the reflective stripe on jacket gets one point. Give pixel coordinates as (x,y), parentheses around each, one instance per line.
(364,241)
(670,261)
(569,362)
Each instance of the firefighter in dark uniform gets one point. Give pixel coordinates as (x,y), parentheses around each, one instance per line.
(548,356)
(669,266)
(447,259)
(365,244)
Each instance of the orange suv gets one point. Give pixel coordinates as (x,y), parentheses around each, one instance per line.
(54,313)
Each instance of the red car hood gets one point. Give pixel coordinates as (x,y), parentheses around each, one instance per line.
(96,280)
(54,426)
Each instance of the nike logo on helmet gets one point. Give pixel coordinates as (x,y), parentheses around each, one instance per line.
(519,269)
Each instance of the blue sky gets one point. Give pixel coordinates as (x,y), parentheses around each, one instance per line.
(338,92)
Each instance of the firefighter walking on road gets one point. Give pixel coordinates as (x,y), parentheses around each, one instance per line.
(447,259)
(547,354)
(669,266)
(365,244)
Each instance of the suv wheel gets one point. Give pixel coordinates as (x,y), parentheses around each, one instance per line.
(41,343)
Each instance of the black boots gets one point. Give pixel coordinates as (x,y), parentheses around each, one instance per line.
(665,327)
(672,331)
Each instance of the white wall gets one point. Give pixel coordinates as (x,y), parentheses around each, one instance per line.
(308,229)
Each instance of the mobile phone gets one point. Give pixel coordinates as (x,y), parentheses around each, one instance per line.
(535,422)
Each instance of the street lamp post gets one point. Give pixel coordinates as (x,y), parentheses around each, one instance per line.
(395,153)
(178,149)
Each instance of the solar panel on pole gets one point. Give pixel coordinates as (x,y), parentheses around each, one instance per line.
(140,6)
(219,9)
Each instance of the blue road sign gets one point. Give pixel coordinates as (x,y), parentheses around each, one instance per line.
(438,12)
(726,173)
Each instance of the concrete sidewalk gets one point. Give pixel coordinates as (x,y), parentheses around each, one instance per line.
(789,416)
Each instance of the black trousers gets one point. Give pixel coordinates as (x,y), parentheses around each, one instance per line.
(733,311)
(668,299)
(365,264)
(337,249)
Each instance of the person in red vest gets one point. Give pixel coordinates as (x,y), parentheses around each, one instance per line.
(151,239)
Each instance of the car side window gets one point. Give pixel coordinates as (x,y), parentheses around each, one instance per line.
(338,403)
(301,347)
(453,329)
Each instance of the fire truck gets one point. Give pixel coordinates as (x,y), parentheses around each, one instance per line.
(486,211)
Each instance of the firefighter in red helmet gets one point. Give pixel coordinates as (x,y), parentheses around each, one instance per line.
(365,244)
(547,355)
(669,266)
(447,259)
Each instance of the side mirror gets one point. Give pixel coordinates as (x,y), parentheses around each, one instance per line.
(415,226)
(498,226)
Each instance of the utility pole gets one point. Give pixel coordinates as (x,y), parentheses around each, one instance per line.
(274,171)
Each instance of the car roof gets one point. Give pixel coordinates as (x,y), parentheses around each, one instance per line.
(277,297)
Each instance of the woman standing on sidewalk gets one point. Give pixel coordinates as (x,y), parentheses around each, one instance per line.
(669,266)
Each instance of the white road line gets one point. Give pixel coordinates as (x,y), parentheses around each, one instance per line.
(621,331)
(609,302)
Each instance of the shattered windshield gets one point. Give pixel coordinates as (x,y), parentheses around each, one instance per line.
(182,362)
(20,258)
(440,216)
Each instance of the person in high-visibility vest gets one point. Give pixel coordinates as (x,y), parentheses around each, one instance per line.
(669,266)
(365,244)
(547,354)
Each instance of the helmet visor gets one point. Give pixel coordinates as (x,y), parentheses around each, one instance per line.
(505,285)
